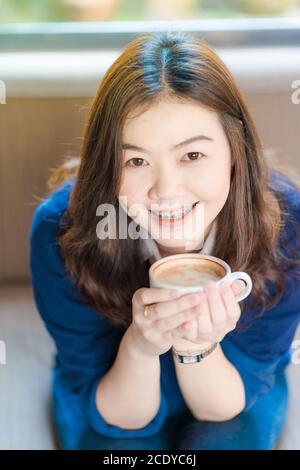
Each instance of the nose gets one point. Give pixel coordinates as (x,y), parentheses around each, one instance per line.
(167,186)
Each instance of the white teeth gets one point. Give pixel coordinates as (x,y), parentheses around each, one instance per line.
(172,214)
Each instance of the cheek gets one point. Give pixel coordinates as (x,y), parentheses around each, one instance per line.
(213,182)
(128,185)
(216,188)
(214,196)
(133,189)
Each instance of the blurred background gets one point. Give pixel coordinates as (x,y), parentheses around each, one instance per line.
(123,10)
(53,54)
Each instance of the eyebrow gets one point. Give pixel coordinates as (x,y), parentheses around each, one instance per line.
(181,144)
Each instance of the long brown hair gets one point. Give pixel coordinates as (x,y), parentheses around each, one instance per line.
(153,67)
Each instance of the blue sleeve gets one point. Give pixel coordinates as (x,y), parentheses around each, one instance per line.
(262,346)
(263,349)
(86,342)
(258,377)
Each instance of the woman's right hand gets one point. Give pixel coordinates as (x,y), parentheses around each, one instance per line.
(155,334)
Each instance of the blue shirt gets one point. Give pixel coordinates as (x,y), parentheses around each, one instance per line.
(87,343)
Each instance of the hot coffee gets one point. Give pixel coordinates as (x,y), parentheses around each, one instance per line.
(189,272)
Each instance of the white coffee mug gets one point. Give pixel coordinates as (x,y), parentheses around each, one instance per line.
(220,268)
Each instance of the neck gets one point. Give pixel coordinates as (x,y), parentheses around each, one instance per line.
(168,251)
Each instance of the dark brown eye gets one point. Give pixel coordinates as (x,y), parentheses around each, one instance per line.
(194,156)
(136,160)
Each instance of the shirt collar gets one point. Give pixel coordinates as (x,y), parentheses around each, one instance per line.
(148,249)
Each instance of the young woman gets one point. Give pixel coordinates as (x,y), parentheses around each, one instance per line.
(168,128)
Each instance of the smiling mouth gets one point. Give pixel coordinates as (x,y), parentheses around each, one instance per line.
(173,220)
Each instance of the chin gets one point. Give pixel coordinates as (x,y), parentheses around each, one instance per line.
(180,245)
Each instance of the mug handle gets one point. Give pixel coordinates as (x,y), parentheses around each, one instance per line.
(239,275)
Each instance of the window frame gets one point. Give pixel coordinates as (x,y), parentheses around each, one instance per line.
(106,35)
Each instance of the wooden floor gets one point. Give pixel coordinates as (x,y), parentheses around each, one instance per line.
(25,380)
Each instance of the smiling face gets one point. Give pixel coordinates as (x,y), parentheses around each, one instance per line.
(161,172)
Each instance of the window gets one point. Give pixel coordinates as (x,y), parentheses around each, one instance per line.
(24,11)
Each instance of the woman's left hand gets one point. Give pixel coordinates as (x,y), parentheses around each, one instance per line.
(219,312)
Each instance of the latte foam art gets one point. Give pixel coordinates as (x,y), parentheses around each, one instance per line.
(187,275)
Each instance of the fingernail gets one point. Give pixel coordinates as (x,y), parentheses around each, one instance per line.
(241,285)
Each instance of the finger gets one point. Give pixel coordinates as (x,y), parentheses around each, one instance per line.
(191,325)
(177,333)
(150,295)
(237,286)
(166,309)
(230,302)
(216,306)
(190,329)
(205,325)
(174,321)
